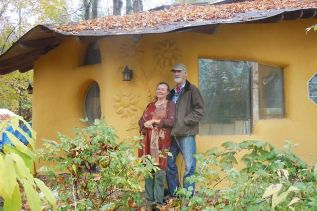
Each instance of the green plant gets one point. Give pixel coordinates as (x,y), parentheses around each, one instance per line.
(16,164)
(314,27)
(96,170)
(266,179)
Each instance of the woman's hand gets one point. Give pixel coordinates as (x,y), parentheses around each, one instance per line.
(148,124)
(156,121)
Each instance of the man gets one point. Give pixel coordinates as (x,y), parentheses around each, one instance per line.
(189,111)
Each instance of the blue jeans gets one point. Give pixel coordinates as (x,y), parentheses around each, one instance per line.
(187,146)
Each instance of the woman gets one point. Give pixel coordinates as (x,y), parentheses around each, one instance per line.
(155,125)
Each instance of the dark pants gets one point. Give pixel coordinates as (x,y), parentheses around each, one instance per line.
(154,187)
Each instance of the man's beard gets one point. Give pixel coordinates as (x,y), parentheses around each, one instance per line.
(178,80)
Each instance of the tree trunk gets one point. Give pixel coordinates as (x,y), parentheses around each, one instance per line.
(137,6)
(129,8)
(94,8)
(87,9)
(20,22)
(117,6)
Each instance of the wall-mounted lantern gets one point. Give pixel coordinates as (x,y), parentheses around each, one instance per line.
(30,89)
(127,74)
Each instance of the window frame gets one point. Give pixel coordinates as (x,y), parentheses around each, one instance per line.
(256,70)
(254,90)
(92,54)
(89,87)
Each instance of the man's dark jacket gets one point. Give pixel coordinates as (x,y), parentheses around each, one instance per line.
(189,111)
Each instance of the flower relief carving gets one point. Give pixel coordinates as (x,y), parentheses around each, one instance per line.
(166,53)
(130,48)
(126,104)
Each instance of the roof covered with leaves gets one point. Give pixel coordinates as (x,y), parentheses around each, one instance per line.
(187,13)
(196,17)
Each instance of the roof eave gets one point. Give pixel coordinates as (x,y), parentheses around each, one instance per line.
(43,38)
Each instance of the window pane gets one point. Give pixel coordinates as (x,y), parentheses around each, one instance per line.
(312,88)
(271,103)
(92,54)
(92,103)
(225,87)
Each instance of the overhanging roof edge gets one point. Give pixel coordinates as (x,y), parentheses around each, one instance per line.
(248,17)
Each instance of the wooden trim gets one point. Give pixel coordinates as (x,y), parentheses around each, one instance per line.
(25,69)
(17,60)
(209,29)
(31,55)
(38,43)
(255,93)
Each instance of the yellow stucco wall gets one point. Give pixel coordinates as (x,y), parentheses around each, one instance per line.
(60,82)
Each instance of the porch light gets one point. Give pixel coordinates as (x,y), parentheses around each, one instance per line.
(30,89)
(127,74)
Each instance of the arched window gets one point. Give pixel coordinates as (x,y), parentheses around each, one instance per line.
(93,55)
(92,102)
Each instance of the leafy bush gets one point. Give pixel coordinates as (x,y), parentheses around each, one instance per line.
(268,179)
(96,170)
(314,27)
(16,164)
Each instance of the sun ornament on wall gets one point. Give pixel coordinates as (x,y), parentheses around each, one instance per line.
(126,104)
(166,53)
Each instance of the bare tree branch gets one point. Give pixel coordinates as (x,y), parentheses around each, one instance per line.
(6,41)
(3,8)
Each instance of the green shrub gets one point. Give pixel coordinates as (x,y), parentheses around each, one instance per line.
(268,179)
(16,165)
(314,27)
(99,172)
